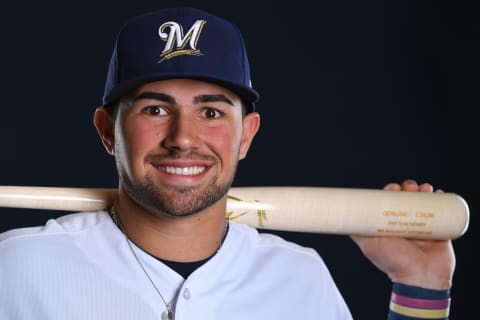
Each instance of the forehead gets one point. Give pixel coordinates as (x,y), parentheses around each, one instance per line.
(187,89)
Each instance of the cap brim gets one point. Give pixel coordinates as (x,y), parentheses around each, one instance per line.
(248,95)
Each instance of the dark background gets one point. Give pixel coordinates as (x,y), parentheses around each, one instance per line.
(353,94)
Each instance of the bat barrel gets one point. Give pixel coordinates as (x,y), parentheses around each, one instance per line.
(349,211)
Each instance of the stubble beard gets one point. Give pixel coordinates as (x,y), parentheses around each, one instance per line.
(176,201)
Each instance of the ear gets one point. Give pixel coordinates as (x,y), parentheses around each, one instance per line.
(105,126)
(251,124)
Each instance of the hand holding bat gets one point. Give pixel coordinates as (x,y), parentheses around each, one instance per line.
(427,264)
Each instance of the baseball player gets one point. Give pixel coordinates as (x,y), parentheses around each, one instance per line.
(177,115)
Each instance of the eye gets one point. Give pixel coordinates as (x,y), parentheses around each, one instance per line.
(155,111)
(211,113)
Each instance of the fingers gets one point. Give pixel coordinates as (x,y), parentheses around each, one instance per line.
(392,187)
(425,187)
(409,185)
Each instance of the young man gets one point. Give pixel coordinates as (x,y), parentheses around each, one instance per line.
(178,114)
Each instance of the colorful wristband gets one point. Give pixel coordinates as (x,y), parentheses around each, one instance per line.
(410,302)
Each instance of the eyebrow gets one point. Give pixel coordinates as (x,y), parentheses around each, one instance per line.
(155,96)
(203,98)
(212,98)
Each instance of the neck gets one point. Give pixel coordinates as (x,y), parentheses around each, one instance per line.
(181,239)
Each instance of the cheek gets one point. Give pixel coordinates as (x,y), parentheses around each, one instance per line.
(226,142)
(133,141)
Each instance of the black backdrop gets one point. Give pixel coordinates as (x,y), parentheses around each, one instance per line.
(354,94)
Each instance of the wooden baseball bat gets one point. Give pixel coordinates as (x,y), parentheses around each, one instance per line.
(343,211)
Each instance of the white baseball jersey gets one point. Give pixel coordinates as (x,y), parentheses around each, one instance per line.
(80,267)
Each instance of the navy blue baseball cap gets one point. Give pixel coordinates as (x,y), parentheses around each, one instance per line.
(179,43)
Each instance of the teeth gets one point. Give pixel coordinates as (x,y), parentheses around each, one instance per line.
(185,171)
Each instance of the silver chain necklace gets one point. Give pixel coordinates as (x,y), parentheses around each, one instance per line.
(168,313)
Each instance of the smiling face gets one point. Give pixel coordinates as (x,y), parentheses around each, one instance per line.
(177,144)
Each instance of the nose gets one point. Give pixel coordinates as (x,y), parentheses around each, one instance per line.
(182,134)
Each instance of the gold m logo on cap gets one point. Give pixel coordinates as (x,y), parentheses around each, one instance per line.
(176,40)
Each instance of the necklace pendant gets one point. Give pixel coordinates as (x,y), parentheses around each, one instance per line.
(167,315)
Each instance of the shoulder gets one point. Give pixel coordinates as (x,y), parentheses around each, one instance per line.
(67,225)
(275,249)
(271,259)
(60,242)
